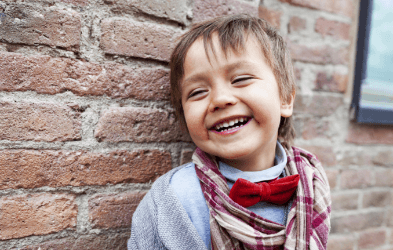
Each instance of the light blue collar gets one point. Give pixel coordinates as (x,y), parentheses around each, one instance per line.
(232,174)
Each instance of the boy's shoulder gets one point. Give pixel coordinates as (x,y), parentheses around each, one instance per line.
(182,173)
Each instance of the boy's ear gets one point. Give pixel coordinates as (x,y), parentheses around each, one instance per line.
(287,107)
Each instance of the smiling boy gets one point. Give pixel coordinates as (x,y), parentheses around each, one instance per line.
(233,88)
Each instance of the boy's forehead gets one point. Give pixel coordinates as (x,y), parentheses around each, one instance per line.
(213,50)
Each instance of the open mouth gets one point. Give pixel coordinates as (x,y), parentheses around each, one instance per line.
(231,124)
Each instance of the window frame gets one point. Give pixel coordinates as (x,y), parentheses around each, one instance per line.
(358,113)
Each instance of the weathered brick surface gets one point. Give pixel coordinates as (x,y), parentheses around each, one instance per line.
(36,214)
(345,201)
(24,24)
(81,3)
(384,178)
(332,175)
(356,222)
(272,16)
(318,54)
(39,122)
(356,158)
(116,241)
(324,154)
(113,210)
(390,218)
(37,168)
(335,29)
(137,39)
(296,24)
(186,156)
(356,178)
(338,242)
(372,238)
(138,125)
(206,9)
(175,10)
(48,75)
(342,7)
(315,128)
(317,105)
(369,134)
(377,199)
(333,82)
(383,158)
(391,238)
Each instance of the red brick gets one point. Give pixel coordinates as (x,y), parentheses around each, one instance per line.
(81,3)
(317,105)
(48,75)
(296,24)
(315,128)
(74,2)
(390,218)
(272,16)
(369,134)
(333,82)
(372,238)
(341,242)
(298,73)
(116,241)
(39,122)
(36,214)
(341,7)
(335,29)
(175,10)
(356,158)
(324,154)
(384,178)
(113,210)
(377,199)
(384,158)
(37,168)
(138,125)
(319,54)
(332,175)
(356,178)
(186,155)
(207,9)
(137,39)
(344,201)
(356,222)
(49,26)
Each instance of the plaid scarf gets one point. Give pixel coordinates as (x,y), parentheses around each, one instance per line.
(235,227)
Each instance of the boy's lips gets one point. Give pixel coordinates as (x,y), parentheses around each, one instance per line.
(230,125)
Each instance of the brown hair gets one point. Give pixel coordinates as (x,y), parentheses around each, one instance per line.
(231,31)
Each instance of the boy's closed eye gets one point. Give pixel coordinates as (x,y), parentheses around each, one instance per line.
(197,93)
(242,79)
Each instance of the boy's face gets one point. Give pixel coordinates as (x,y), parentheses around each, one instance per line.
(232,105)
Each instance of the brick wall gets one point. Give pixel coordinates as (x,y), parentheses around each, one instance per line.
(86,125)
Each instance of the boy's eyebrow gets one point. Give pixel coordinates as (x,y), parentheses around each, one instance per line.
(194,78)
(232,66)
(228,68)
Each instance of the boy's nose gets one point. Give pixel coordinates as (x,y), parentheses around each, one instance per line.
(221,99)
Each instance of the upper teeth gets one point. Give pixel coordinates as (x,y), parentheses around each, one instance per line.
(228,123)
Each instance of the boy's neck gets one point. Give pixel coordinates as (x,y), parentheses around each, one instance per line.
(259,162)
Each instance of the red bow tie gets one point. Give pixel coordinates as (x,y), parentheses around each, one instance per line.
(278,191)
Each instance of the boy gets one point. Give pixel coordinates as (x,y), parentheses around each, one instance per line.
(233,88)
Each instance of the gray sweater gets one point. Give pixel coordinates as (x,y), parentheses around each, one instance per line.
(160,221)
